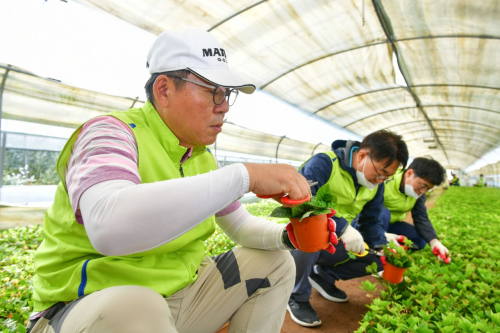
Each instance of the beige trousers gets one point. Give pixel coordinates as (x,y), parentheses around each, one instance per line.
(247,287)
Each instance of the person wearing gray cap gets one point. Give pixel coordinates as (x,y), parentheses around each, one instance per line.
(140,192)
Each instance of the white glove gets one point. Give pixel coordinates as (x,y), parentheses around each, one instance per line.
(395,237)
(440,251)
(353,240)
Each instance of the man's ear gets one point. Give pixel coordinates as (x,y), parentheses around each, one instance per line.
(361,154)
(160,89)
(410,172)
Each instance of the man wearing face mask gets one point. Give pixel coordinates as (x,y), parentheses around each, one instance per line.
(406,192)
(355,172)
(455,180)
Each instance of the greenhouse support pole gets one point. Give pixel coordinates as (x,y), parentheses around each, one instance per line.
(135,101)
(3,140)
(278,148)
(3,137)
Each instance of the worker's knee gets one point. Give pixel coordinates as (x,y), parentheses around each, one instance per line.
(122,309)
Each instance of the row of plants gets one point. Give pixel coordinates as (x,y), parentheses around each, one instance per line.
(17,247)
(462,296)
(459,297)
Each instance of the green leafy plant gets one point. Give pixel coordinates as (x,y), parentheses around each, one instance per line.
(461,296)
(370,288)
(397,255)
(458,297)
(322,203)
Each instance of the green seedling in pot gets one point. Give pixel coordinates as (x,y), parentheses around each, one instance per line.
(398,255)
(323,203)
(311,226)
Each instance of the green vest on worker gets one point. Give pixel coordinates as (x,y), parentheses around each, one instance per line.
(480,181)
(398,203)
(68,266)
(349,203)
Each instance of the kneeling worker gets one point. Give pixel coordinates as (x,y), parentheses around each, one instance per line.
(455,180)
(480,181)
(355,173)
(406,192)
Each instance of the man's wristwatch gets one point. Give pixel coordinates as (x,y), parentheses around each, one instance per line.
(286,240)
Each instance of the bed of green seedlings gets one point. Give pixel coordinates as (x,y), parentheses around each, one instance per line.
(17,247)
(459,297)
(16,266)
(463,296)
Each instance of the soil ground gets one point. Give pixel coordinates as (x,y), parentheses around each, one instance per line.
(342,317)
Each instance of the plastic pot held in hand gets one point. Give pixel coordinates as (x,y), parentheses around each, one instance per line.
(311,233)
(393,274)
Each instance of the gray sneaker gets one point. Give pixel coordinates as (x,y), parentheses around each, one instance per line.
(327,290)
(302,313)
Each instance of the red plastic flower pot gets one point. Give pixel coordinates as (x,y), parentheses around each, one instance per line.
(393,274)
(311,233)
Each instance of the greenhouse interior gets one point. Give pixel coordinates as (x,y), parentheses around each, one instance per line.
(428,71)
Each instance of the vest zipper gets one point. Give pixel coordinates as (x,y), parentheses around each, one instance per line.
(182,171)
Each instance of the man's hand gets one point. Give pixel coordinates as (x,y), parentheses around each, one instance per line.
(440,251)
(272,179)
(353,240)
(398,239)
(331,228)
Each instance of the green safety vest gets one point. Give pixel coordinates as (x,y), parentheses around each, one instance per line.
(67,265)
(398,203)
(349,203)
(480,181)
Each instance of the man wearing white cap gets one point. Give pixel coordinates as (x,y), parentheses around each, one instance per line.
(140,192)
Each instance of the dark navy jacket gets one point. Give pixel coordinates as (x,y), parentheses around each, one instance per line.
(319,168)
(420,218)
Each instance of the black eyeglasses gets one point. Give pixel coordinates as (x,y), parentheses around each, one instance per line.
(423,186)
(379,176)
(219,94)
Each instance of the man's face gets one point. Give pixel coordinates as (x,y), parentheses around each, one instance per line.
(192,115)
(420,185)
(375,171)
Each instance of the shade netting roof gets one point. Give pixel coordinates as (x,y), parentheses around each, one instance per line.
(28,97)
(334,59)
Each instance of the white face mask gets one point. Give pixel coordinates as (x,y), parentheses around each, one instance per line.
(362,179)
(410,191)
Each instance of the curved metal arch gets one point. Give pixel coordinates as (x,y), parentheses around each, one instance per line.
(439,119)
(424,106)
(278,147)
(404,88)
(319,59)
(451,129)
(454,85)
(463,152)
(357,48)
(314,149)
(236,14)
(457,137)
(357,95)
(17,70)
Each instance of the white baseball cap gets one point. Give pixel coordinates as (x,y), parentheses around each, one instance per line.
(197,51)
